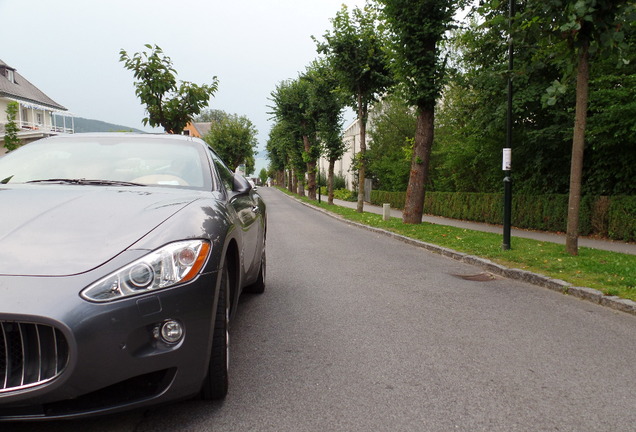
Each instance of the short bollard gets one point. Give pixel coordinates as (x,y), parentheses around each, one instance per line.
(386,212)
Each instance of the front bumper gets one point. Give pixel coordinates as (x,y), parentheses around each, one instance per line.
(115,360)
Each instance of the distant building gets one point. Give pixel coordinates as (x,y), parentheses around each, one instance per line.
(38,115)
(351,139)
(198,130)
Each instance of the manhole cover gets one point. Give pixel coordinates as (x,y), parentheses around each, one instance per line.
(479,277)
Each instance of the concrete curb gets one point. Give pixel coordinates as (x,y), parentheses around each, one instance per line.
(589,294)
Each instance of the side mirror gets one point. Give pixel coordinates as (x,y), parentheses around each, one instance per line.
(240,185)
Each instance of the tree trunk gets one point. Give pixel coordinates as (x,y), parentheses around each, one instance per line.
(414,205)
(290,181)
(301,186)
(362,164)
(332,164)
(578,144)
(311,170)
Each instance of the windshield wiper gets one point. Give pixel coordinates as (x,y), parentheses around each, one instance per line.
(88,182)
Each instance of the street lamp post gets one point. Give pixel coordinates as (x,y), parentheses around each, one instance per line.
(507,159)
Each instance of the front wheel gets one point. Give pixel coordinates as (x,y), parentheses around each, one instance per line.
(215,385)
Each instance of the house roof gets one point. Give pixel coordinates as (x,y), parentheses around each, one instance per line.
(202,127)
(23,90)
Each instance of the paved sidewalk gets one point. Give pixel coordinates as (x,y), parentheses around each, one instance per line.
(609,245)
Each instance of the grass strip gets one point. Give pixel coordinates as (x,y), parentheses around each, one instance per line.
(612,273)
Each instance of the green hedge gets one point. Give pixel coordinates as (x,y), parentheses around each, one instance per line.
(613,217)
(622,218)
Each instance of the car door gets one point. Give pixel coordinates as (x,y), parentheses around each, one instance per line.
(242,201)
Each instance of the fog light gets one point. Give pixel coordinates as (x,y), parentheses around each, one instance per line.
(171,331)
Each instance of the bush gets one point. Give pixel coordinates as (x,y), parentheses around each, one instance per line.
(345,195)
(621,218)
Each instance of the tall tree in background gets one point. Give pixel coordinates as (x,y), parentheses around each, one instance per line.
(356,50)
(293,107)
(575,30)
(168,104)
(418,27)
(210,115)
(327,105)
(277,152)
(234,139)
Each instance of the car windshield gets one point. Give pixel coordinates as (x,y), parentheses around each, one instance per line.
(116,160)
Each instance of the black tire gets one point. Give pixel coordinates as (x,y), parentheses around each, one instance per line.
(258,287)
(216,382)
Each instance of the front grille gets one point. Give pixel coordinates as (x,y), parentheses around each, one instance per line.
(30,354)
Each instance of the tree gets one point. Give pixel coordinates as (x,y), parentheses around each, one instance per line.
(262,176)
(11,140)
(276,148)
(326,107)
(574,30)
(233,137)
(293,107)
(285,151)
(356,50)
(210,115)
(418,27)
(470,119)
(390,155)
(168,104)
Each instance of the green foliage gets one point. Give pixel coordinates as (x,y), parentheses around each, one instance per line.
(210,115)
(339,182)
(309,110)
(610,160)
(603,216)
(234,139)
(168,104)
(326,105)
(263,176)
(622,224)
(355,48)
(11,140)
(470,121)
(345,195)
(418,27)
(389,155)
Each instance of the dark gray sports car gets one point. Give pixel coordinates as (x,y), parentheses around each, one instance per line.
(122,258)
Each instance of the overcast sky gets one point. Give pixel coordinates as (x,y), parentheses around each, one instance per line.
(69,49)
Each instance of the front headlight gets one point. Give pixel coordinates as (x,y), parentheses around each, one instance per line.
(170,265)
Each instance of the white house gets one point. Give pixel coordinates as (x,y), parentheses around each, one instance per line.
(38,115)
(351,139)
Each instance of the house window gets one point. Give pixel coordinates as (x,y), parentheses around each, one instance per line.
(10,76)
(39,118)
(25,115)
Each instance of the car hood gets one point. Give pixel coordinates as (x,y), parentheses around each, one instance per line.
(56,230)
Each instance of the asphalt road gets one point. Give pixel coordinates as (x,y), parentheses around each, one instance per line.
(360,332)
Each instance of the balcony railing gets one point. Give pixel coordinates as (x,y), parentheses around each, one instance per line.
(31,126)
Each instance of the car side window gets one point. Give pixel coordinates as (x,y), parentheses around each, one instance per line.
(227,177)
